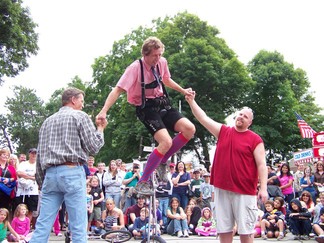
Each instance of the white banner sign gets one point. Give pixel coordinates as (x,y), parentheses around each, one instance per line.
(305,154)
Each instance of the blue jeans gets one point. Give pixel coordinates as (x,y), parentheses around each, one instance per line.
(68,184)
(116,197)
(176,225)
(163,207)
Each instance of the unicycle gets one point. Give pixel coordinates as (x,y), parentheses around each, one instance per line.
(151,235)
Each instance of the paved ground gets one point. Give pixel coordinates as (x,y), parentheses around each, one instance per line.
(191,239)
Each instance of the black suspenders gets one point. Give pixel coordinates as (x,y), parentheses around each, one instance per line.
(143,84)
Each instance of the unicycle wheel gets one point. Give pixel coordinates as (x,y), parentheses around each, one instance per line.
(116,236)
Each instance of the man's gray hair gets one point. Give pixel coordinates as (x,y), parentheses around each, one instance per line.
(69,93)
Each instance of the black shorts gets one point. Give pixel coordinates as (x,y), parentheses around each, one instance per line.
(31,202)
(155,118)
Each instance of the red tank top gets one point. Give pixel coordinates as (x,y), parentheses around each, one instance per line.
(234,168)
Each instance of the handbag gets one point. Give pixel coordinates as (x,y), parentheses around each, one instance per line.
(7,188)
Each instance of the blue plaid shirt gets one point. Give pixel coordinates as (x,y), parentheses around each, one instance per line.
(69,135)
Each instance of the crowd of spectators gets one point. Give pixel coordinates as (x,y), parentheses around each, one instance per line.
(184,200)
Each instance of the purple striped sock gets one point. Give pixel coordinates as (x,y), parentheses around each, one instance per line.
(152,162)
(177,143)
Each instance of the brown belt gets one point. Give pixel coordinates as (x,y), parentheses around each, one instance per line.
(70,164)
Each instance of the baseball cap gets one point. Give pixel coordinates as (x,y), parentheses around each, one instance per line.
(136,162)
(206,174)
(196,171)
(172,165)
(32,150)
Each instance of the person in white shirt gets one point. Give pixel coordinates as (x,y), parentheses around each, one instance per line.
(27,189)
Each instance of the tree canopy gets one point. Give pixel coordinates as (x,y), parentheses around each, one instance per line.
(198,58)
(18,39)
(279,91)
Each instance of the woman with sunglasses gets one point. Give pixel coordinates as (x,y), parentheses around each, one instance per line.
(307,198)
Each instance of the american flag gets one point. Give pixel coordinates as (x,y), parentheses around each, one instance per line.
(305,130)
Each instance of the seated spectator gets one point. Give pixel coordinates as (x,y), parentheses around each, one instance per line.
(177,219)
(298,219)
(206,224)
(20,224)
(307,198)
(140,223)
(112,217)
(279,204)
(193,213)
(318,227)
(134,211)
(5,225)
(159,216)
(318,206)
(271,226)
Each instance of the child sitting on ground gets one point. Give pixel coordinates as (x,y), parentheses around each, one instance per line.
(5,225)
(21,224)
(298,219)
(206,225)
(140,222)
(271,226)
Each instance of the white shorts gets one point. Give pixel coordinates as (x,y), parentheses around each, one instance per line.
(234,208)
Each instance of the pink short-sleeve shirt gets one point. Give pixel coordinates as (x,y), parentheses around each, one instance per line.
(130,81)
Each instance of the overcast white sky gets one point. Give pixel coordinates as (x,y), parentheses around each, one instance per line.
(72,33)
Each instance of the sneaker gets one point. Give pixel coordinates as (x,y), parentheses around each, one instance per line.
(180,235)
(264,237)
(297,237)
(59,234)
(144,188)
(185,233)
(304,237)
(280,237)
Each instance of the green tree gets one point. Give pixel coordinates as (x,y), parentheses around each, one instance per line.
(280,90)
(18,39)
(5,141)
(197,58)
(27,113)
